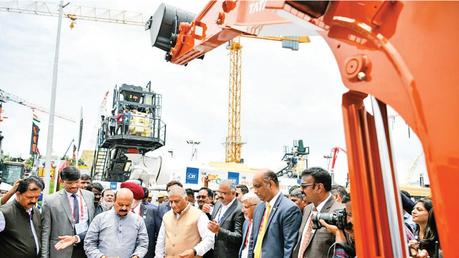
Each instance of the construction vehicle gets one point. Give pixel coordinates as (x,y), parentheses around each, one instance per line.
(401,54)
(11,171)
(296,159)
(119,136)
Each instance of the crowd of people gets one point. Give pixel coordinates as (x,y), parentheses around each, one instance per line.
(86,220)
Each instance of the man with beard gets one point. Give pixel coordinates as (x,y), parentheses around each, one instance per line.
(117,232)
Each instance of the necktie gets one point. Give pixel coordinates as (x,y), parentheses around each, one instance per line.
(76,210)
(261,233)
(247,236)
(307,234)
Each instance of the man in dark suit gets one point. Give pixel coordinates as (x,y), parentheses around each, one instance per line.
(66,217)
(275,221)
(226,223)
(316,185)
(20,222)
(148,212)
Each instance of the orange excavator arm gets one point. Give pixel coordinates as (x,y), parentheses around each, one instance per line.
(398,54)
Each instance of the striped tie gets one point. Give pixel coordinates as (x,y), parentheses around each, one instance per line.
(261,233)
(307,235)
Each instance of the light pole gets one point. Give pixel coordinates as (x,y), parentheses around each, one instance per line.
(194,150)
(52,105)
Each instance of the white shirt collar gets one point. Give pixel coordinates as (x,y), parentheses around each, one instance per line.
(274,199)
(229,204)
(69,195)
(322,204)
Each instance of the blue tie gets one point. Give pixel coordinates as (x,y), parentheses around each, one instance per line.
(76,210)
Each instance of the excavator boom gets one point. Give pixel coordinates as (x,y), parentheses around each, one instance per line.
(401,54)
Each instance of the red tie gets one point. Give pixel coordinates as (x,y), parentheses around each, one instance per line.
(247,237)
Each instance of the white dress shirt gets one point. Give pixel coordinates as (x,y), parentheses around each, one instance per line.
(222,210)
(81,204)
(207,237)
(29,211)
(245,251)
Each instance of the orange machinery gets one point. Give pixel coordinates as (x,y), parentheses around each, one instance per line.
(399,54)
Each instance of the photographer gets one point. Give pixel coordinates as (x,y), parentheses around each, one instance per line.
(344,241)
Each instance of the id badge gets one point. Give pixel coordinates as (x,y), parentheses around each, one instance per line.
(81,227)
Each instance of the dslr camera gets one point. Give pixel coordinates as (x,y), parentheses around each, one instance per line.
(337,218)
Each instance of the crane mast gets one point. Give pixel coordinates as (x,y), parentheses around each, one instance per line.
(233,139)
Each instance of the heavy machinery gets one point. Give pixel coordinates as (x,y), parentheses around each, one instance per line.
(401,54)
(120,140)
(296,159)
(11,171)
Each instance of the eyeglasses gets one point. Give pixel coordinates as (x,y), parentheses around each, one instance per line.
(248,206)
(201,197)
(304,185)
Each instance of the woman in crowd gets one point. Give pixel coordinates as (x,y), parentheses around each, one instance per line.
(427,243)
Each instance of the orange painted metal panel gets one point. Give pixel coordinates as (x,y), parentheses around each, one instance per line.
(403,53)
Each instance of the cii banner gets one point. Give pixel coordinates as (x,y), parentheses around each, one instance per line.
(35,133)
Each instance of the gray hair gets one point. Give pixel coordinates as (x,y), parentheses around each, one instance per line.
(230,184)
(251,197)
(177,190)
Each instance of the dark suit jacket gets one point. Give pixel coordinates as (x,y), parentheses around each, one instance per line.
(150,214)
(163,208)
(229,239)
(322,239)
(282,229)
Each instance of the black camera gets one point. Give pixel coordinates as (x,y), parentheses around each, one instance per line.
(337,218)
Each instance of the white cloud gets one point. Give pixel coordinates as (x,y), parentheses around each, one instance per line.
(286,95)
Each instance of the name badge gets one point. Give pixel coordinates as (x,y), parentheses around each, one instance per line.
(81,227)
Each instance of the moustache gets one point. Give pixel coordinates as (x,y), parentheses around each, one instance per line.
(123,210)
(32,203)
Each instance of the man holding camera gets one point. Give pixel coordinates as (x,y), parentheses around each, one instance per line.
(344,246)
(315,242)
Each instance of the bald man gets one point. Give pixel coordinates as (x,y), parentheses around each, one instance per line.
(275,221)
(117,232)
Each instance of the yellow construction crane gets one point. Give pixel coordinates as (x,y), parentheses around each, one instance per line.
(234,142)
(73,13)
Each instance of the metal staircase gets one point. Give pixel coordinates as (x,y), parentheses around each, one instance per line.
(99,163)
